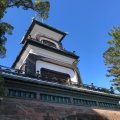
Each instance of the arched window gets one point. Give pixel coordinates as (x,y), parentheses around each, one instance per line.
(51,44)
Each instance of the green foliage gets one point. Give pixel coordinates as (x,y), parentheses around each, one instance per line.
(42,9)
(3,91)
(4,28)
(112,57)
(40,6)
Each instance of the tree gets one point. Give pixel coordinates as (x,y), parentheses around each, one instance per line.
(112,57)
(40,6)
(3,90)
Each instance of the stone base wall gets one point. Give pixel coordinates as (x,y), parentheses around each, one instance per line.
(20,109)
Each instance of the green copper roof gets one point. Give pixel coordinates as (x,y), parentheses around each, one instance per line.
(56,85)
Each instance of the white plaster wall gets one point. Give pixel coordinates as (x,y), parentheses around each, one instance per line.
(52,55)
(41,64)
(45,53)
(40,29)
(23,58)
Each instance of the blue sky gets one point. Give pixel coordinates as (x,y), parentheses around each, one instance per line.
(87,22)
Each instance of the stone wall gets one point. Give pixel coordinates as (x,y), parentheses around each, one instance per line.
(22,109)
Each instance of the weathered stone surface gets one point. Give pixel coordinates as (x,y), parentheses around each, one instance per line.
(21,109)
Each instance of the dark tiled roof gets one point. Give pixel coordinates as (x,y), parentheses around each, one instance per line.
(38,44)
(44,25)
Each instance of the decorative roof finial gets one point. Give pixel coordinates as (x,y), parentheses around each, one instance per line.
(33,18)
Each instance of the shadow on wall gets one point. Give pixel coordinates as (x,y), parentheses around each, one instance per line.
(19,109)
(85,116)
(78,116)
(92,115)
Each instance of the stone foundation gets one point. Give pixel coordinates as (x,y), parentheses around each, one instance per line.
(22,109)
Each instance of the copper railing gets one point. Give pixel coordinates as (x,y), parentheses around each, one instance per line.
(4,70)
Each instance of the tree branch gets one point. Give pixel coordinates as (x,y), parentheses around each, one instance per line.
(21,4)
(15,4)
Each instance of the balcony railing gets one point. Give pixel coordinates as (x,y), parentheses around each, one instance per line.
(47,43)
(4,69)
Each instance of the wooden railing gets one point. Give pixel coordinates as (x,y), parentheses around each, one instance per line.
(47,43)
